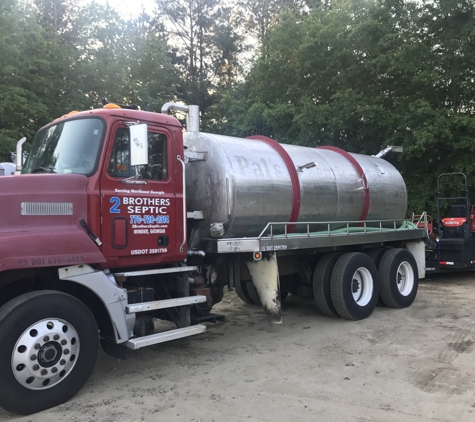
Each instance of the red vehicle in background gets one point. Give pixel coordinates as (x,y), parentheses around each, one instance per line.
(454,249)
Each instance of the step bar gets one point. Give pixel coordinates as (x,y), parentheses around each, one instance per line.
(172,270)
(139,342)
(163,304)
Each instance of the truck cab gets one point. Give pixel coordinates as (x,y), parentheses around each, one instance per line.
(93,240)
(136,212)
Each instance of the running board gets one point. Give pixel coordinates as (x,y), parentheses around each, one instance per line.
(139,342)
(171,270)
(162,304)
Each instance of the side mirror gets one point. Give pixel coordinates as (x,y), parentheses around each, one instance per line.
(138,145)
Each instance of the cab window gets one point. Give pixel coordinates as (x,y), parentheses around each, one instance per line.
(119,164)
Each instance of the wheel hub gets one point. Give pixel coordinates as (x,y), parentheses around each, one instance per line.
(405,278)
(45,354)
(362,286)
(50,354)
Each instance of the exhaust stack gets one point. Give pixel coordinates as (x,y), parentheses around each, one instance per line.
(192,114)
(19,155)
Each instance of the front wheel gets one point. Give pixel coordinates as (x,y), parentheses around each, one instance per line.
(49,343)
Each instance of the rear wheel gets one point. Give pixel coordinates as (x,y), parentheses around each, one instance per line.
(354,286)
(241,291)
(251,289)
(376,255)
(399,278)
(321,284)
(49,348)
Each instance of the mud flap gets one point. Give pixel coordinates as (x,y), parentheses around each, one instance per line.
(265,276)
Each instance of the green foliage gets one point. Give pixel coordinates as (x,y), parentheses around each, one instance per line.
(362,75)
(58,56)
(30,72)
(206,47)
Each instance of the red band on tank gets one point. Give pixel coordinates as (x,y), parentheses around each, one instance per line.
(360,171)
(294,178)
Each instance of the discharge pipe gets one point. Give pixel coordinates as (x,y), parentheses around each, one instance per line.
(387,150)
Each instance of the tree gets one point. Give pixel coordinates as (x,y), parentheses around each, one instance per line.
(261,15)
(58,56)
(362,75)
(32,65)
(206,48)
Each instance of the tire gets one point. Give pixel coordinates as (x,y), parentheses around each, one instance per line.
(249,296)
(376,255)
(321,284)
(61,334)
(252,291)
(241,291)
(399,278)
(255,300)
(354,286)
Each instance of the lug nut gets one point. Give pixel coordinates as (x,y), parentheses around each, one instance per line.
(66,351)
(36,367)
(56,337)
(46,338)
(62,362)
(33,357)
(63,342)
(54,370)
(37,346)
(44,372)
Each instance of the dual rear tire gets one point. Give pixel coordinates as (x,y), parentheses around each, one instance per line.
(398,277)
(349,284)
(354,286)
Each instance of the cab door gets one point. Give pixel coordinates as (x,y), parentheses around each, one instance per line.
(139,204)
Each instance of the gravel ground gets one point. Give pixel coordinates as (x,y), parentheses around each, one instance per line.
(414,364)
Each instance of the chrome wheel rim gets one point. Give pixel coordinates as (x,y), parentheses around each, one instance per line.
(405,278)
(362,286)
(45,354)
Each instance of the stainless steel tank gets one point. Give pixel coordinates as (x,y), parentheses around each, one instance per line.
(243,184)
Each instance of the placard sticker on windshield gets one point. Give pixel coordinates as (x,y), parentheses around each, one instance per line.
(95,132)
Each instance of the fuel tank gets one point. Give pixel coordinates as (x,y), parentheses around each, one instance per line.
(243,184)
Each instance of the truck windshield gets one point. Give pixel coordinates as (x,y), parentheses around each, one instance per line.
(67,147)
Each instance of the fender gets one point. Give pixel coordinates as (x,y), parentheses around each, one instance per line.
(40,218)
(104,286)
(45,249)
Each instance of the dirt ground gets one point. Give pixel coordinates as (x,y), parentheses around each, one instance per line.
(415,364)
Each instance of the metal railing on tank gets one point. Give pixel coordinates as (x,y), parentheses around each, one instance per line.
(340,228)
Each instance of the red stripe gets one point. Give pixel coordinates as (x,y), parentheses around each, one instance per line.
(360,171)
(294,178)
